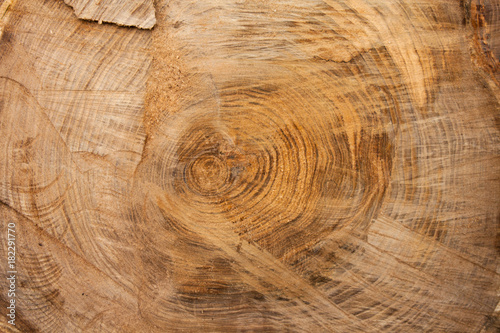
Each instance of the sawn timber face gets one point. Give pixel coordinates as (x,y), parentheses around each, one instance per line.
(317,166)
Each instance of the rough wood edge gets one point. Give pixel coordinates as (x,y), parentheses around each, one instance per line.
(120,14)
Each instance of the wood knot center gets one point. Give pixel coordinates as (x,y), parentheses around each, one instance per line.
(207,174)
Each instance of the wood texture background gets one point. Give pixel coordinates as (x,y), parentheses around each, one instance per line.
(301,166)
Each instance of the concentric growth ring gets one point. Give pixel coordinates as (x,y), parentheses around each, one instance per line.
(274,174)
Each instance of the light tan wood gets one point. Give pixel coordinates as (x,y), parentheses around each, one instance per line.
(138,13)
(304,166)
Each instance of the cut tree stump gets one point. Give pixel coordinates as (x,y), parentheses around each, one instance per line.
(288,165)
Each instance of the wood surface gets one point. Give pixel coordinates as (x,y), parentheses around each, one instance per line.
(260,166)
(138,13)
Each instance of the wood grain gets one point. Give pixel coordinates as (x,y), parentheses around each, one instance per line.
(301,166)
(138,13)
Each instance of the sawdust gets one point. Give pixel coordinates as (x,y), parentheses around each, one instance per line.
(167,78)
